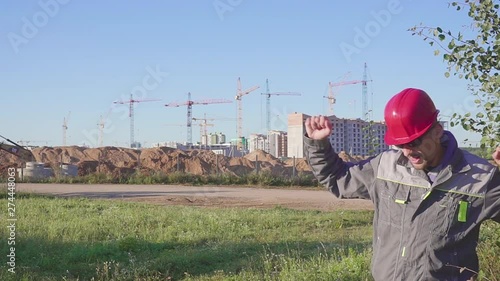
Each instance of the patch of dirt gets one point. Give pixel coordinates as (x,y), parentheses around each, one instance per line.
(204,196)
(224,202)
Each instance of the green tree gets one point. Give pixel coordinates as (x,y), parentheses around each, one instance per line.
(475,59)
(370,138)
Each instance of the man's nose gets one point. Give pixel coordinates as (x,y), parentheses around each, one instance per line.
(407,150)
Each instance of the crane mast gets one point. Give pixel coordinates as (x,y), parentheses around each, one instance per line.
(268,95)
(65,128)
(239,94)
(131,102)
(101,125)
(364,95)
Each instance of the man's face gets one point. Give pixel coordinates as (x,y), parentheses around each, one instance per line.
(426,151)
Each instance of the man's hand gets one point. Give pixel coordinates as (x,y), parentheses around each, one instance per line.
(496,156)
(318,127)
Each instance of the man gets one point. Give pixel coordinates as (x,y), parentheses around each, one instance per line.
(430,197)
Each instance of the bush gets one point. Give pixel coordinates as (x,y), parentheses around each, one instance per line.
(264,178)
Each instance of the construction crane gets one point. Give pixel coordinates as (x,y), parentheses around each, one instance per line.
(239,94)
(131,102)
(331,98)
(101,125)
(268,102)
(65,128)
(205,119)
(189,103)
(364,93)
(30,143)
(203,128)
(331,94)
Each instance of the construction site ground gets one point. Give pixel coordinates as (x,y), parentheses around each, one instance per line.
(206,196)
(118,162)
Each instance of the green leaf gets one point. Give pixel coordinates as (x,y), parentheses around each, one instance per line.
(451,45)
(441,37)
(439,30)
(447,74)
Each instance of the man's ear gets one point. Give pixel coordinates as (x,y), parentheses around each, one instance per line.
(438,131)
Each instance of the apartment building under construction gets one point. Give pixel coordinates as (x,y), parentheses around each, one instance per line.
(275,143)
(354,136)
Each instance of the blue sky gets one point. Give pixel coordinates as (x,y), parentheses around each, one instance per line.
(77,57)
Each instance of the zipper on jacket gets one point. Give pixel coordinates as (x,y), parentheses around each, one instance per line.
(425,195)
(396,270)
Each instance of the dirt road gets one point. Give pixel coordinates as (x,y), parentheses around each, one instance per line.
(210,196)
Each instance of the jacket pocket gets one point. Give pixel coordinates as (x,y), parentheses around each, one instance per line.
(390,212)
(445,211)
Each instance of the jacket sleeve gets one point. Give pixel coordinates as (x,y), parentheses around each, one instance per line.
(343,179)
(492,198)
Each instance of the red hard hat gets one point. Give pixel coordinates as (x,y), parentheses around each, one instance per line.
(408,115)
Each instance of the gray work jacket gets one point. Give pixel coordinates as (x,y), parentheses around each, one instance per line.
(421,231)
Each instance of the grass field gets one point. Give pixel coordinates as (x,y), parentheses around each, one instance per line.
(82,239)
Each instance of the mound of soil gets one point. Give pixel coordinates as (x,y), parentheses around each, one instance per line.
(119,161)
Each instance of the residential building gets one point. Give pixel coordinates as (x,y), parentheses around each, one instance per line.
(354,136)
(277,143)
(257,142)
(216,138)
